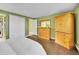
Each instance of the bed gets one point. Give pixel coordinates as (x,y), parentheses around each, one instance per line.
(5,49)
(25,46)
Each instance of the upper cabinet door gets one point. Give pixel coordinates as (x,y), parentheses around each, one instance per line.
(65,23)
(68,23)
(59,24)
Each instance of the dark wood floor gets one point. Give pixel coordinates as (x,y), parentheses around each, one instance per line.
(52,48)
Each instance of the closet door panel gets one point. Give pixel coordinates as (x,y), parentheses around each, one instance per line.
(59,38)
(69,39)
(65,23)
(68,22)
(65,30)
(59,24)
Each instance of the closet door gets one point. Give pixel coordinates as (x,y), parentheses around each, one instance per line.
(68,23)
(69,40)
(65,24)
(59,24)
(17,26)
(60,38)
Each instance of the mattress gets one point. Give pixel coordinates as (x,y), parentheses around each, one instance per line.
(5,49)
(25,46)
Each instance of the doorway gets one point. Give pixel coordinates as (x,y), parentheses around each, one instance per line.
(32,27)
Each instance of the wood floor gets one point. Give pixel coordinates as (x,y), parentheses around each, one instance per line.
(52,48)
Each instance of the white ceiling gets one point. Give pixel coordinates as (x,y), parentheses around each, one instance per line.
(37,9)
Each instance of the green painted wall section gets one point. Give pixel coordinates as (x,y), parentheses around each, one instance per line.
(6,26)
(52,27)
(77,25)
(26,26)
(30,24)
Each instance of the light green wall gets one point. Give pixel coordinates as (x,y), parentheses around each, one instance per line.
(77,25)
(26,26)
(30,24)
(6,24)
(52,27)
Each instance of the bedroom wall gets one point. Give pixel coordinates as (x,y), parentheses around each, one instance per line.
(77,26)
(32,26)
(26,27)
(6,24)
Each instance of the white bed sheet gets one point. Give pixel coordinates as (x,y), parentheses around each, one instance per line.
(5,49)
(25,46)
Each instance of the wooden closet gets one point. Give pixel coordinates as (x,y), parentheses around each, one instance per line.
(64,30)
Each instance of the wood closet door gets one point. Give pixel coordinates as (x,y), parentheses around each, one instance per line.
(65,30)
(60,38)
(65,23)
(44,33)
(59,24)
(68,23)
(65,40)
(69,41)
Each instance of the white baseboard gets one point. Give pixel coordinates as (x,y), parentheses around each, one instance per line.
(77,47)
(27,35)
(53,38)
